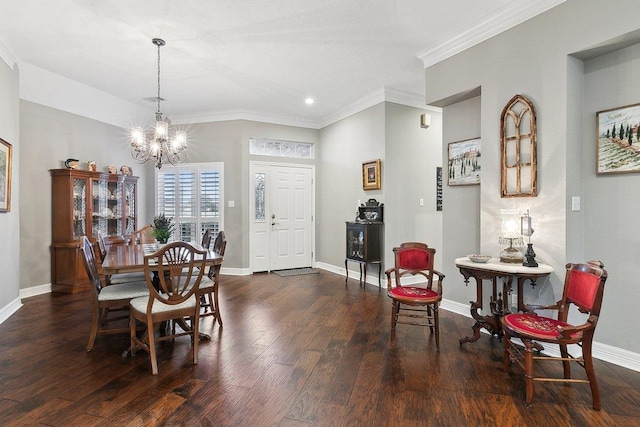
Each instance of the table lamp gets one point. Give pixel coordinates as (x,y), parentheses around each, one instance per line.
(511,236)
(526,230)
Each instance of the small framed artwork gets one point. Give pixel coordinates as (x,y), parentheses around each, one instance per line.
(464,162)
(371,175)
(5,176)
(618,140)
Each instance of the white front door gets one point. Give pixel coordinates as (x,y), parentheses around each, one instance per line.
(281,216)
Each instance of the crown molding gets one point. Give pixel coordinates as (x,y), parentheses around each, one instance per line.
(243,115)
(512,15)
(7,56)
(376,97)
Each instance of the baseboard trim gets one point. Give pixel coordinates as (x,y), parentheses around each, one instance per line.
(9,309)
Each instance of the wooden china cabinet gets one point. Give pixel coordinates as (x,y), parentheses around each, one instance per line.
(85,203)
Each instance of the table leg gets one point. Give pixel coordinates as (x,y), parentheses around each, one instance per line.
(346,269)
(364,282)
(490,323)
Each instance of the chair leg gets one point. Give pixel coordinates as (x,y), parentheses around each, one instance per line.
(216,307)
(152,349)
(591,375)
(566,364)
(95,319)
(528,371)
(436,321)
(394,317)
(195,337)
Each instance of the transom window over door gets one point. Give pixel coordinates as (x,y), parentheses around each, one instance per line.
(193,195)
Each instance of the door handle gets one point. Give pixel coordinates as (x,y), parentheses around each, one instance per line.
(273,220)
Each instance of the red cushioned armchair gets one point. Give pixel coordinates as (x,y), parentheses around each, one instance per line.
(583,287)
(413,258)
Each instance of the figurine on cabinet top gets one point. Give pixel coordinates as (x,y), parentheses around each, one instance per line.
(126,170)
(71,163)
(112,169)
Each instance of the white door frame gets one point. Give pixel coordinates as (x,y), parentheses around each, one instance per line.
(252,227)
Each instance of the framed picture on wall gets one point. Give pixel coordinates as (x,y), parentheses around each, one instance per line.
(464,162)
(371,175)
(618,140)
(5,176)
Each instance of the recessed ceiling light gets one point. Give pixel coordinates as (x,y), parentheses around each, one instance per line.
(309,101)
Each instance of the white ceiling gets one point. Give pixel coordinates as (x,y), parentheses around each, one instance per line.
(251,57)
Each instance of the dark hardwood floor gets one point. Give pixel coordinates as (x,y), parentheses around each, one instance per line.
(294,351)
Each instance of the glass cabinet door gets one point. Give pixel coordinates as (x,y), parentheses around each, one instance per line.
(79,207)
(106,208)
(129,208)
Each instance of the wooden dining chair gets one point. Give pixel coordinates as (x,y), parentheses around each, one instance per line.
(583,288)
(106,299)
(206,239)
(142,236)
(209,287)
(173,297)
(414,258)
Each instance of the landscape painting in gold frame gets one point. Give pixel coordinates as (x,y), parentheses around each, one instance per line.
(371,175)
(618,140)
(5,176)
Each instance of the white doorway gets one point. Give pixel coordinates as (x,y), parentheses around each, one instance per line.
(281,216)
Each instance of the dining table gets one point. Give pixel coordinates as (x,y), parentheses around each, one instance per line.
(122,259)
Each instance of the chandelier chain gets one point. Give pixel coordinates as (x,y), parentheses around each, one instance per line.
(159,44)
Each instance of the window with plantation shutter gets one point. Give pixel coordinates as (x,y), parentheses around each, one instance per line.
(191,194)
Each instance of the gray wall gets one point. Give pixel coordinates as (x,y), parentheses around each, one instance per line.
(10,221)
(345,145)
(390,132)
(49,137)
(412,155)
(461,204)
(532,59)
(610,202)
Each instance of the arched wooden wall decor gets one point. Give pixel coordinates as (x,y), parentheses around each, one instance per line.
(518,147)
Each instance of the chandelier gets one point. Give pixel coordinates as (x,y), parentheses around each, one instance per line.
(158,145)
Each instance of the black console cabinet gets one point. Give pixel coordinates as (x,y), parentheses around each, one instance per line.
(364,245)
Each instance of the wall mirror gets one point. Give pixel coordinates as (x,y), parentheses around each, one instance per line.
(518,148)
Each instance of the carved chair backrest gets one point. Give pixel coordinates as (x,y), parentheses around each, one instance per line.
(583,287)
(414,258)
(179,268)
(220,244)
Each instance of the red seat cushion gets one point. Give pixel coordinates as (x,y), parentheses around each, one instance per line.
(538,327)
(414,293)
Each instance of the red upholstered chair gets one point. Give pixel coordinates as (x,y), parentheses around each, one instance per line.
(413,258)
(583,288)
